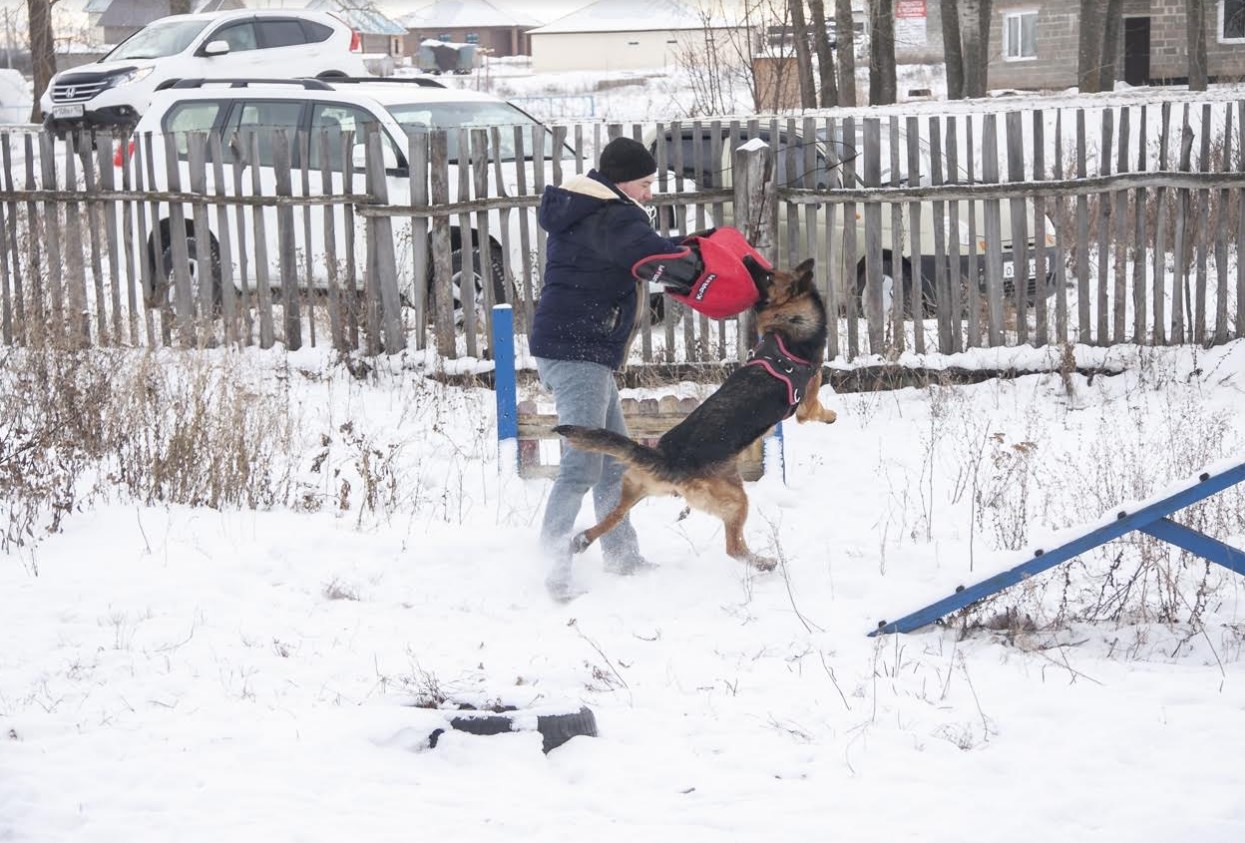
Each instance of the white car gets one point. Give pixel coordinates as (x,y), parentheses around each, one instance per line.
(116,90)
(395,106)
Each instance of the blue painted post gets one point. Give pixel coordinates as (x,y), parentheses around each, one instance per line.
(504,387)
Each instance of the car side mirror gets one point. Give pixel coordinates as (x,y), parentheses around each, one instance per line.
(358,157)
(218,47)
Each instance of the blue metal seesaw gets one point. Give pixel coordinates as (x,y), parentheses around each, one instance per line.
(1151,518)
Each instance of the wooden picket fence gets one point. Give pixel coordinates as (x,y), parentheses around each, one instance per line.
(1131,213)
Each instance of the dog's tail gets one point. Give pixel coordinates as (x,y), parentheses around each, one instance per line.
(612,444)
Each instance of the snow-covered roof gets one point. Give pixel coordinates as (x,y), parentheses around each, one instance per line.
(360,15)
(630,16)
(450,14)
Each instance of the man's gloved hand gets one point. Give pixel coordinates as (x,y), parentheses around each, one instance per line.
(676,272)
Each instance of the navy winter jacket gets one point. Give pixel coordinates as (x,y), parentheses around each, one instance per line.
(588,303)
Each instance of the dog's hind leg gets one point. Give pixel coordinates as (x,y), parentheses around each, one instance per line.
(633,491)
(810,408)
(725,497)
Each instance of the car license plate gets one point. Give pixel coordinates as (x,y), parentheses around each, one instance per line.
(66,112)
(1009,268)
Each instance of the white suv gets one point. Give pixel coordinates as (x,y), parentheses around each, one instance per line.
(322,110)
(116,90)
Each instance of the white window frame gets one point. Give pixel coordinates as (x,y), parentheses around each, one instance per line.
(1219,36)
(1008,17)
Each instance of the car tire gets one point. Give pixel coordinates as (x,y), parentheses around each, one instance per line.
(196,270)
(458,260)
(656,309)
(555,729)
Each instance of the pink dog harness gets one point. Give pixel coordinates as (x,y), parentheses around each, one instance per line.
(772,355)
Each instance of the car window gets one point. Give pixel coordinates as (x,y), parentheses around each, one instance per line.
(193,116)
(853,150)
(157,40)
(336,118)
(264,117)
(417,117)
(239,36)
(314,33)
(792,168)
(703,171)
(280,33)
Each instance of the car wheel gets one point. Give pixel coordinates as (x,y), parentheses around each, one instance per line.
(54,128)
(656,308)
(555,729)
(204,269)
(465,272)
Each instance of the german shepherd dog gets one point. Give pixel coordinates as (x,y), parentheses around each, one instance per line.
(696,459)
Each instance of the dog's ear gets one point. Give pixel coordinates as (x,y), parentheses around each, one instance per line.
(760,275)
(804,275)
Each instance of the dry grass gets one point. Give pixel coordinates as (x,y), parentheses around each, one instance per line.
(79,426)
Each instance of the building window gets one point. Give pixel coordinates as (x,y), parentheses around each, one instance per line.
(1020,36)
(1232,21)
(473,38)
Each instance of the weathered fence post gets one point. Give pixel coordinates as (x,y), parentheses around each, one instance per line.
(442,295)
(380,234)
(754,215)
(183,305)
(417,158)
(287,248)
(753,163)
(754,194)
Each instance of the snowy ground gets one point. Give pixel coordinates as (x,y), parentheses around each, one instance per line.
(175,673)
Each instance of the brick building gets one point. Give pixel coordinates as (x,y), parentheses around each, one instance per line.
(1033,44)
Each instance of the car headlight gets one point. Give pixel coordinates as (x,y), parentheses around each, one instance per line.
(130,76)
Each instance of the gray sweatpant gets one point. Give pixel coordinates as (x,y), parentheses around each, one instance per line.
(585,394)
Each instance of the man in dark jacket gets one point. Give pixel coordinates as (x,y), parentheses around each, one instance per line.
(598,230)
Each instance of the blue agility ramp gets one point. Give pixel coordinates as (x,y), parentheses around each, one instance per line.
(1150,518)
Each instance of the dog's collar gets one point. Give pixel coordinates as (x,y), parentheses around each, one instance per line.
(772,355)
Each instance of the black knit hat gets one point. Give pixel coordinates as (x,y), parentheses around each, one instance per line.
(624,159)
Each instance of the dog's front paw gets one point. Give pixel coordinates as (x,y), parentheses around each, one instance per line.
(817,413)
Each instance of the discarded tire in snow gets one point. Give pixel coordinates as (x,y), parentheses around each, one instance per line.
(555,729)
